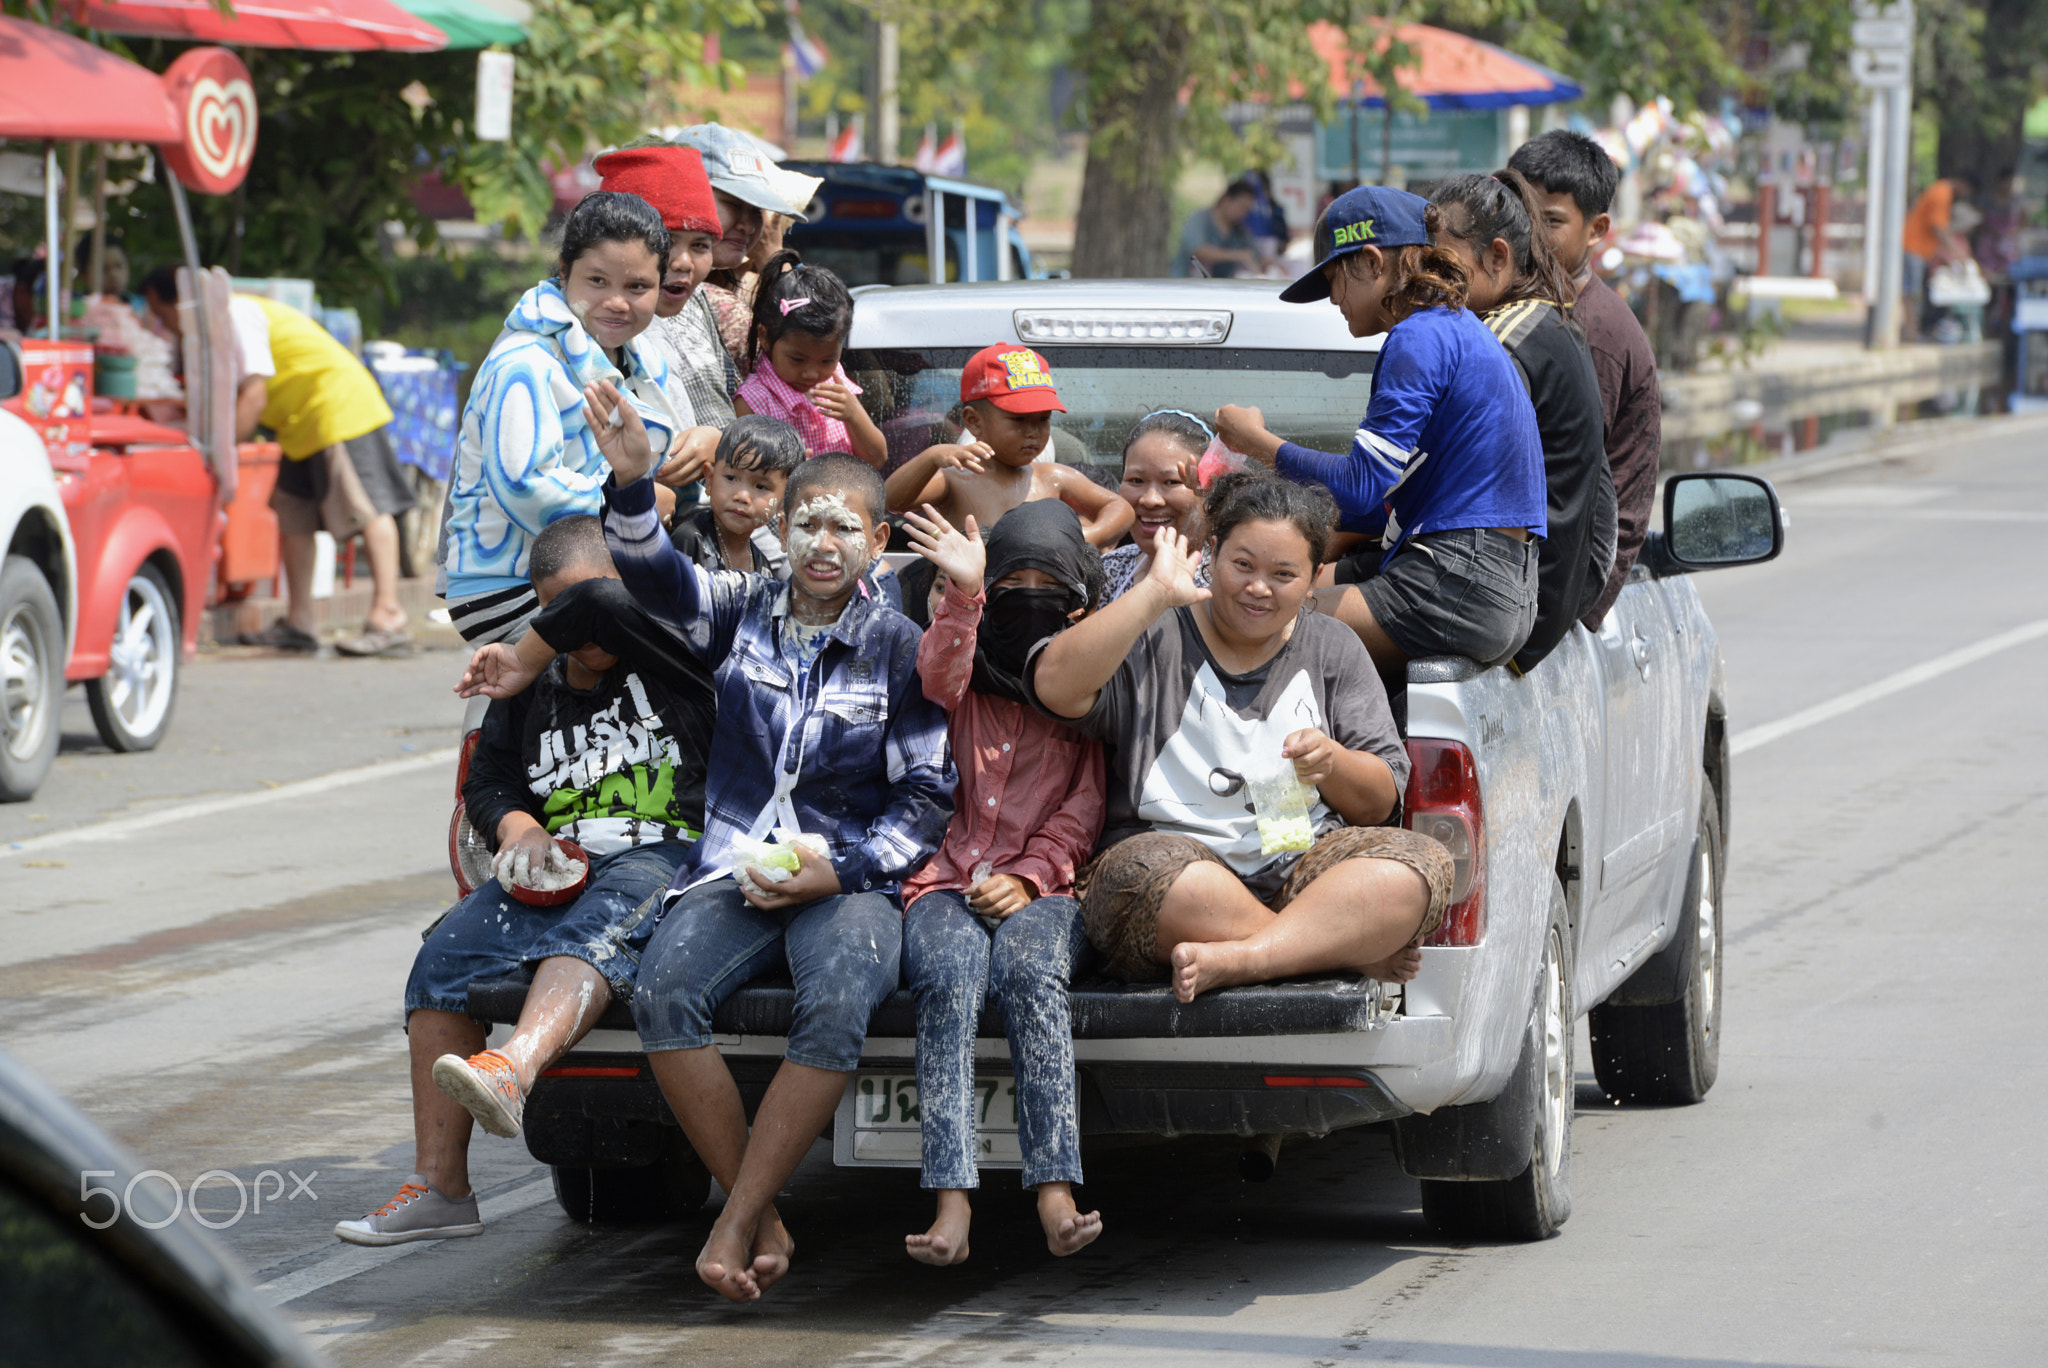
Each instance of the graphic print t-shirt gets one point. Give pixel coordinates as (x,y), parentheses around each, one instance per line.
(1182,735)
(611,767)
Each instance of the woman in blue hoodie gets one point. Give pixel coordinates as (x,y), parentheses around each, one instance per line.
(526,456)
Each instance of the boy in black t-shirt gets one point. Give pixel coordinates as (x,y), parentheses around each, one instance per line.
(607,750)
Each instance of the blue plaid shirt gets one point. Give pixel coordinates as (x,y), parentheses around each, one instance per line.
(848,748)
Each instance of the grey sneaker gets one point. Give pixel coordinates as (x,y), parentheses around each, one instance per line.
(418,1212)
(488,1085)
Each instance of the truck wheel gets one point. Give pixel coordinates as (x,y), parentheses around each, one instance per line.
(1535,1202)
(31,678)
(1670,1054)
(667,1190)
(132,702)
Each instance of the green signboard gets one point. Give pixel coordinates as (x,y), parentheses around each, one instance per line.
(1443,142)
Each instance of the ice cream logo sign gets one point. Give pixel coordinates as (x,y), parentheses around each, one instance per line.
(216,105)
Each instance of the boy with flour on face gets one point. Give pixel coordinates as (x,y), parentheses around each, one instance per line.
(824,730)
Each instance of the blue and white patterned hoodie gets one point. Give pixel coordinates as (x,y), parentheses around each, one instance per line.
(526,457)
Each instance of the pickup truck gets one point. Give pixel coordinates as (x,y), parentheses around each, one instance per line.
(1586,805)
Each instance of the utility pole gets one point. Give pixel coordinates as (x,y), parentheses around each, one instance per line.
(887,132)
(1882,62)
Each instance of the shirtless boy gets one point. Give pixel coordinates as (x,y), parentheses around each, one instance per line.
(1007,401)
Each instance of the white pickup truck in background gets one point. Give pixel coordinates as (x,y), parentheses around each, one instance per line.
(1586,805)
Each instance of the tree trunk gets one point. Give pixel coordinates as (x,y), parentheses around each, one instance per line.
(1980,127)
(1137,64)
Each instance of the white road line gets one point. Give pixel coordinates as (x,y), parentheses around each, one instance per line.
(349,1260)
(233,802)
(1886,687)
(2005,515)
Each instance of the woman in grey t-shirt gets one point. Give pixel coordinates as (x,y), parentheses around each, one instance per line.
(1200,694)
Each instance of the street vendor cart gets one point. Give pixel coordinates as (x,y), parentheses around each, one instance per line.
(106,588)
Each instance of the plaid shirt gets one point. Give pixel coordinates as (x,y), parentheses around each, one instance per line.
(849,748)
(768,393)
(698,363)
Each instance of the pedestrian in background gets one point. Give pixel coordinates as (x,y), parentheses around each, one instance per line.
(339,475)
(1215,241)
(1930,240)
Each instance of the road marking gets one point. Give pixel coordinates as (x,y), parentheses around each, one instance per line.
(1884,688)
(2007,515)
(349,1260)
(233,802)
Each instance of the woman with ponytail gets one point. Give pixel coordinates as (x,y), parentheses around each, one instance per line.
(1524,295)
(1446,466)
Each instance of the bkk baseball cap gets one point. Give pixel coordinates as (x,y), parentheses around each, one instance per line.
(1015,379)
(1371,215)
(669,178)
(740,165)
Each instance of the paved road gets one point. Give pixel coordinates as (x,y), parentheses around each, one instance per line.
(1862,1187)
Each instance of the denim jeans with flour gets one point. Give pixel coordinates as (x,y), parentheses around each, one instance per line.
(954,963)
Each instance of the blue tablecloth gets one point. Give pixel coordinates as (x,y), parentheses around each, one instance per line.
(427,419)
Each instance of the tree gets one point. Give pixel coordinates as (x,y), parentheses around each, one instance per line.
(1977,71)
(1160,76)
(344,137)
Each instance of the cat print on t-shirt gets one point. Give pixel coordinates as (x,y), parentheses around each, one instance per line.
(1196,786)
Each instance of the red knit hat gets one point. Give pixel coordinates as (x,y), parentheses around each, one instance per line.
(671,179)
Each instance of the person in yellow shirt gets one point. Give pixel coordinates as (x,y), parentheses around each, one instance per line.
(340,474)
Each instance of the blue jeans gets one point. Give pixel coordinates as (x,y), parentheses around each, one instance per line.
(954,963)
(491,934)
(843,953)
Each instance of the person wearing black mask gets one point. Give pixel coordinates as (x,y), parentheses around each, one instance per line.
(994,912)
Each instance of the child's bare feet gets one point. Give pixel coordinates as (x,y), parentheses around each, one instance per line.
(1399,967)
(1199,967)
(1066,1227)
(773,1249)
(946,1242)
(725,1263)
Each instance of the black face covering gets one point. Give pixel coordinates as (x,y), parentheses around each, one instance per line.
(1045,535)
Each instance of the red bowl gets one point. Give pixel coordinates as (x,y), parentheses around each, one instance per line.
(536,897)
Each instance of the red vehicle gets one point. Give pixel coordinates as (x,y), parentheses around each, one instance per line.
(110,593)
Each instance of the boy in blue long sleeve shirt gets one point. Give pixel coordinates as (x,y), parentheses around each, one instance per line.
(823,728)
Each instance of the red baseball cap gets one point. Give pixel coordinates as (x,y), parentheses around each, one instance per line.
(671,179)
(1013,378)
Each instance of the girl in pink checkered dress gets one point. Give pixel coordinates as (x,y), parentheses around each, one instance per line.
(801,318)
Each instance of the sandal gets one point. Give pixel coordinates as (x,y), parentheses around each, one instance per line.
(376,641)
(282,636)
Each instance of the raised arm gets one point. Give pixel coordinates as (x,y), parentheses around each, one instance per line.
(921,480)
(945,658)
(648,561)
(1104,516)
(1072,668)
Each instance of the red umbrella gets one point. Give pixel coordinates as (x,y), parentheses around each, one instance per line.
(327,25)
(55,86)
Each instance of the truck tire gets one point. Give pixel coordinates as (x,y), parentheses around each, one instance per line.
(133,701)
(1533,1203)
(667,1190)
(31,678)
(1670,1053)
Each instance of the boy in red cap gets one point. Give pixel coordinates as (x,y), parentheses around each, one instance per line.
(1007,401)
(672,179)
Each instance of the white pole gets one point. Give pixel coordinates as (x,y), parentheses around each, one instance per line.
(53,275)
(887,134)
(970,260)
(1004,266)
(1873,208)
(1899,132)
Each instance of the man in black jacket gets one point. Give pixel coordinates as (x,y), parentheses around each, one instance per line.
(606,750)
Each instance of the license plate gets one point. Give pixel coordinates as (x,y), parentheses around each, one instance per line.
(879,1122)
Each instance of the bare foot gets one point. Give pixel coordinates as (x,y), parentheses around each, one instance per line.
(724,1264)
(946,1242)
(1066,1228)
(1399,967)
(1199,967)
(773,1249)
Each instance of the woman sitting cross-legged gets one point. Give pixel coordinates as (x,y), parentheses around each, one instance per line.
(1198,696)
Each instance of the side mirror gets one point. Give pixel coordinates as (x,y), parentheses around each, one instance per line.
(1713,519)
(12,369)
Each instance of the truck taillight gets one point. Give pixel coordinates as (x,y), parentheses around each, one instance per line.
(468,857)
(1443,801)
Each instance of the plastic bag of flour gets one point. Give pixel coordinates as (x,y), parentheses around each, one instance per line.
(1218,460)
(776,858)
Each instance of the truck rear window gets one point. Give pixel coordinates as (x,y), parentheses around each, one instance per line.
(1312,397)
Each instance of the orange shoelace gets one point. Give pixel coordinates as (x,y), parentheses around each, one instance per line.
(405,1194)
(497,1070)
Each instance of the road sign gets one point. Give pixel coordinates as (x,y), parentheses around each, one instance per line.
(1882,69)
(216,105)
